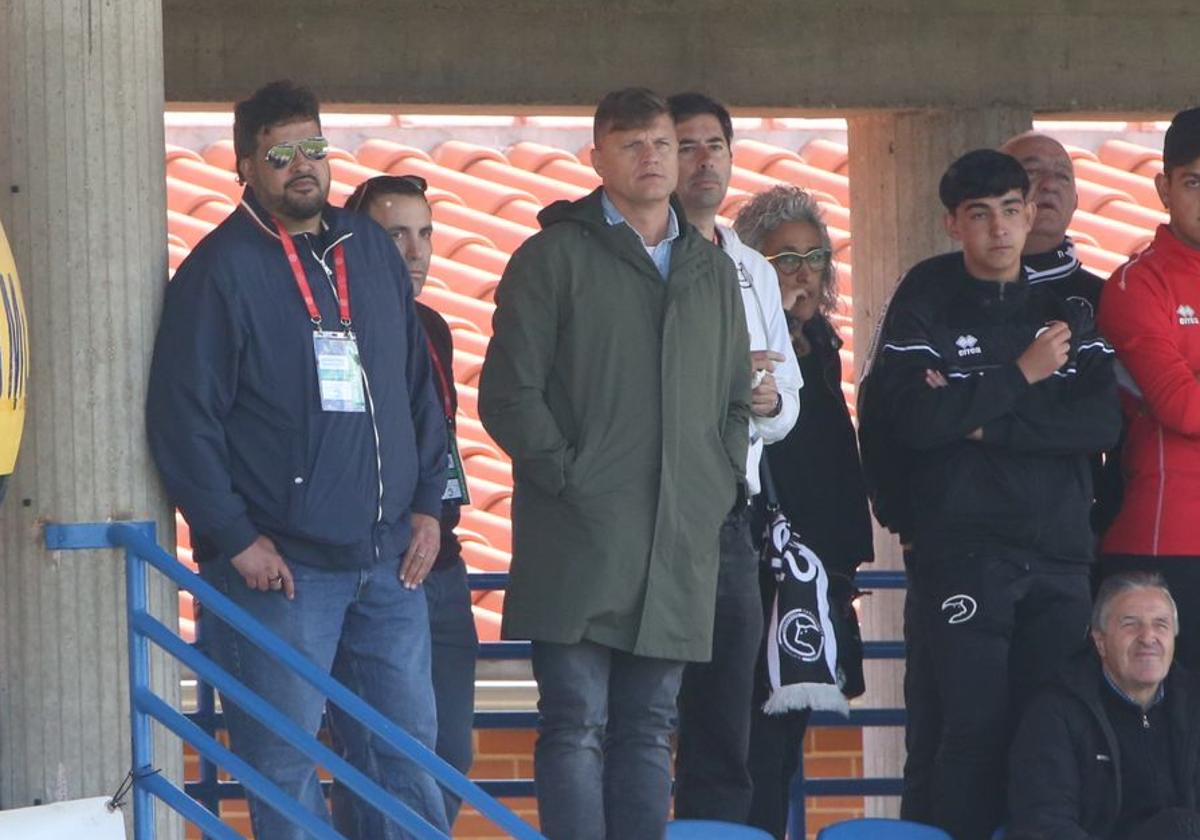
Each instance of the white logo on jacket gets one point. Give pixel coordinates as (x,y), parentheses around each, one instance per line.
(963,607)
(1187,316)
(968,345)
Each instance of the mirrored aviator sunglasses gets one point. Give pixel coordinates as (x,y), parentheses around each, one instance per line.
(789,262)
(282,154)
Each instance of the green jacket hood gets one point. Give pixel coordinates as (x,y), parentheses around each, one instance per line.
(589,211)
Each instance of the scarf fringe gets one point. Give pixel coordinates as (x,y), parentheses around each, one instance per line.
(818,696)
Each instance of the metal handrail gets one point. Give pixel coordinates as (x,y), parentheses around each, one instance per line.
(826,786)
(141,550)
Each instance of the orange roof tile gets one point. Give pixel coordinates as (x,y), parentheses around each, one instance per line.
(507,235)
(1093,197)
(1099,261)
(191,230)
(201,174)
(220,154)
(184,196)
(464,279)
(489,164)
(477,312)
(1132,157)
(552,162)
(1140,187)
(1111,235)
(485,558)
(1135,214)
(827,155)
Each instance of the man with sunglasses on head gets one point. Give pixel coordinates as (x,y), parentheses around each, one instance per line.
(292,416)
(398,204)
(712,780)
(618,381)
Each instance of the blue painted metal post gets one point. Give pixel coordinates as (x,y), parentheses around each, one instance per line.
(206,713)
(139,677)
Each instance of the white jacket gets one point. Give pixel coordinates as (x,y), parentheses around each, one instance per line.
(768,331)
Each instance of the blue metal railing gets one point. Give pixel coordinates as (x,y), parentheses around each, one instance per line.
(211,791)
(141,551)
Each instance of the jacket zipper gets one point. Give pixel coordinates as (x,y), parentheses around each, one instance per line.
(366,386)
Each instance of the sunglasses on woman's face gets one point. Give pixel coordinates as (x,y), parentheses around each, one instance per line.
(281,155)
(789,262)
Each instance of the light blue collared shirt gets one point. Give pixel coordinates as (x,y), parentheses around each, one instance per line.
(660,253)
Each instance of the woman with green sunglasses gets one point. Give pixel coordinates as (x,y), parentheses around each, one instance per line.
(815,469)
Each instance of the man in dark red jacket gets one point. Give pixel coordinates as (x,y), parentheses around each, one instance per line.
(1150,311)
(399,205)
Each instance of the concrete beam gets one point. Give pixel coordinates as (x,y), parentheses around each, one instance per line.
(1051,56)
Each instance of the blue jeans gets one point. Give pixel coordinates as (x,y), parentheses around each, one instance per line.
(602,763)
(372,634)
(455,648)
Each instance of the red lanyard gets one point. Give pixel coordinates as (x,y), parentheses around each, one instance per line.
(339,267)
(447,405)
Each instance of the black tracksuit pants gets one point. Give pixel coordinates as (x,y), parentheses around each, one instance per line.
(989,624)
(922,705)
(712,781)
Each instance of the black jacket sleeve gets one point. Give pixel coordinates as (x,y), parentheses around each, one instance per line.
(1045,784)
(428,416)
(193,381)
(1074,411)
(927,418)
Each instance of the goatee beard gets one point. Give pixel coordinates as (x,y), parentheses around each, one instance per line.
(302,208)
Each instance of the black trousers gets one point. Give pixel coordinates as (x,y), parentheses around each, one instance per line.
(995,623)
(712,781)
(923,706)
(776,742)
(1182,575)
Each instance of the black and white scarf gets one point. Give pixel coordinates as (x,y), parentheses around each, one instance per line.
(802,652)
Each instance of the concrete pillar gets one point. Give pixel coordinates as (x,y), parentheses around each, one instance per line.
(896,161)
(82,196)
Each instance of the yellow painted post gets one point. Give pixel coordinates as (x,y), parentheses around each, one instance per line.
(14,362)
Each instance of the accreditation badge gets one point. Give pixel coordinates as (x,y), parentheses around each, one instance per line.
(339,371)
(456,477)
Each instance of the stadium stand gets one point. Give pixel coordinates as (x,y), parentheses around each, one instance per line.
(485,201)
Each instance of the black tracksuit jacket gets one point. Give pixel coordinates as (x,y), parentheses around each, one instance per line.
(1028,483)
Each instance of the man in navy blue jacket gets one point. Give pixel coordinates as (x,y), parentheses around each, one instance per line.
(292,416)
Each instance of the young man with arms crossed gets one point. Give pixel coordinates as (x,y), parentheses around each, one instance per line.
(997,391)
(1049,258)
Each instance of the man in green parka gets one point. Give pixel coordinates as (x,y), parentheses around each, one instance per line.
(617,380)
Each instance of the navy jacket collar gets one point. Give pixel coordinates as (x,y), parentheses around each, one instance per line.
(333,219)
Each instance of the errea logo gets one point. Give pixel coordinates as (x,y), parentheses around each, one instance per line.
(968,346)
(1187,316)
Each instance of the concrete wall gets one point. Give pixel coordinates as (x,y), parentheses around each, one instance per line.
(84,205)
(1054,56)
